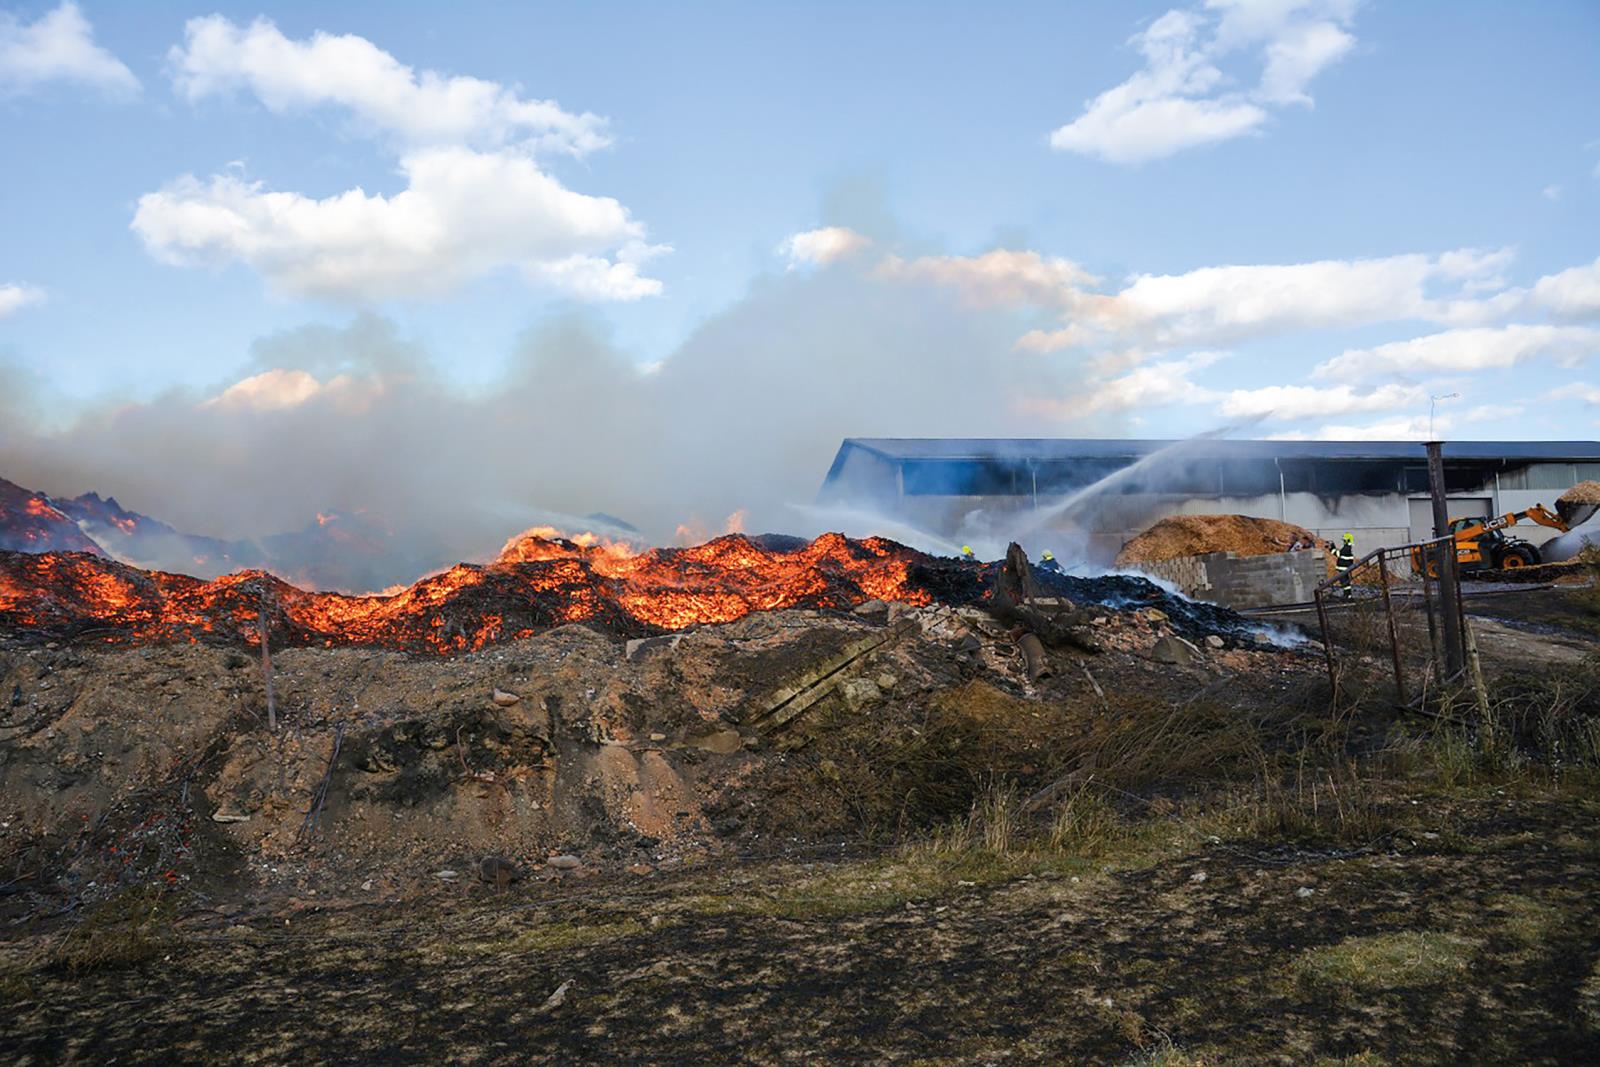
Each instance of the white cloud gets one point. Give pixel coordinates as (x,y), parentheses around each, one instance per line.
(598,278)
(58,47)
(1551,192)
(1182,98)
(427,108)
(1149,386)
(1219,305)
(821,247)
(271,390)
(1409,428)
(284,389)
(1116,335)
(461,215)
(1582,391)
(1298,55)
(1459,351)
(1214,304)
(1491,412)
(1572,293)
(1414,428)
(999,278)
(476,199)
(1306,401)
(14,298)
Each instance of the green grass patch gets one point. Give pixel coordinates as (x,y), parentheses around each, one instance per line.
(548,937)
(1382,962)
(1523,919)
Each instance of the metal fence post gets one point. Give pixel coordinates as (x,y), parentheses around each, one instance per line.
(1327,642)
(1394,633)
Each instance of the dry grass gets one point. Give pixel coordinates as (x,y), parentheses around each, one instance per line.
(548,937)
(1338,805)
(131,928)
(1589,1000)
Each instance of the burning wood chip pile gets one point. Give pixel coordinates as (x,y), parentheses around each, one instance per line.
(537,584)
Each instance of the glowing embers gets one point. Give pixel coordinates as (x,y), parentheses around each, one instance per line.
(538,583)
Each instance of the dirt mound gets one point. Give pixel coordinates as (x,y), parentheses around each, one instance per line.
(127,765)
(1579,501)
(1192,535)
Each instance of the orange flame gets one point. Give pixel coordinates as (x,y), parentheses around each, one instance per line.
(537,583)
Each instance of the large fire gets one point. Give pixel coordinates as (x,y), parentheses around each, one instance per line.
(540,581)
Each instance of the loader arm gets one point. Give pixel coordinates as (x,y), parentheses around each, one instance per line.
(1538,513)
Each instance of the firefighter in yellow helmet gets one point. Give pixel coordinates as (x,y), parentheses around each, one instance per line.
(1047,562)
(1345,560)
(967,554)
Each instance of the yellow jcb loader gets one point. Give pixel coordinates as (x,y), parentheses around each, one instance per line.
(1482,544)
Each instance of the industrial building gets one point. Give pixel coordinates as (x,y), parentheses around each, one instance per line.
(1091,496)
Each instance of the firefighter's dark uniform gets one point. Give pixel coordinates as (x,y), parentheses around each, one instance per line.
(1342,563)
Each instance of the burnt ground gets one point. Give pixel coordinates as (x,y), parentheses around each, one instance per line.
(1219,949)
(1235,875)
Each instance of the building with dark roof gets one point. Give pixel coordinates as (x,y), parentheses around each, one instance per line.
(1100,492)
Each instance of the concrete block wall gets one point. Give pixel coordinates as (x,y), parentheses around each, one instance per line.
(1244,581)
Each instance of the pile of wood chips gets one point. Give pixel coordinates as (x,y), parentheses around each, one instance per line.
(1193,535)
(1583,497)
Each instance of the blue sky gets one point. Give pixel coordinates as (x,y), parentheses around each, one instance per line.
(1413,187)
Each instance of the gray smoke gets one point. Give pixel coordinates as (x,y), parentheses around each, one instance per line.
(744,417)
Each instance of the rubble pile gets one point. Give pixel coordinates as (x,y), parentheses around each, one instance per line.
(1193,535)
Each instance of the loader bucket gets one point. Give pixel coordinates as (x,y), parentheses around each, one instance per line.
(1575,512)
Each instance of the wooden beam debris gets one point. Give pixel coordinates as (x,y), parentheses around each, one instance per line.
(794,699)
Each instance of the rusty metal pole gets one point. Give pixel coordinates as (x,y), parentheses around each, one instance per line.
(1427,603)
(266,661)
(1449,580)
(1327,642)
(1394,633)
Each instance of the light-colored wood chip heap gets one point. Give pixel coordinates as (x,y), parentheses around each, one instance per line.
(1193,535)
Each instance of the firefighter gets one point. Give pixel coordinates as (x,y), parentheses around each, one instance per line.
(1047,562)
(1345,560)
(967,554)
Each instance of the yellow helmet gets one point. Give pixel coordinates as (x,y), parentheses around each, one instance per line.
(966,550)
(1048,554)
(1350,538)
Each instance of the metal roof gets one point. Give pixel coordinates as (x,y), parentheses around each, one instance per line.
(1067,448)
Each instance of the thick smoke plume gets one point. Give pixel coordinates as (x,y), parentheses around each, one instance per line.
(742,420)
